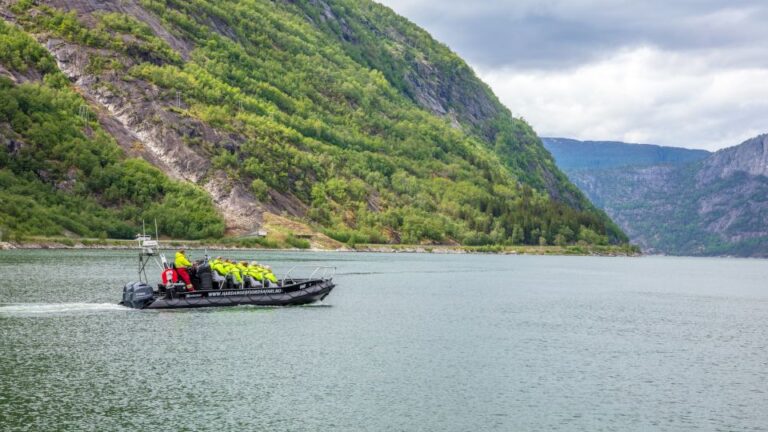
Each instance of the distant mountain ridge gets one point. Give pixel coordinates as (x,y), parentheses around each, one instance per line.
(716,205)
(573,154)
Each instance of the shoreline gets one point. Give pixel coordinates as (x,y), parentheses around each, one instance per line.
(113,244)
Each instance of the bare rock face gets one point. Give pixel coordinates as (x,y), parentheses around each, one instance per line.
(328,15)
(139,108)
(454,94)
(750,157)
(18,78)
(69,181)
(12,146)
(130,7)
(138,115)
(6,73)
(239,206)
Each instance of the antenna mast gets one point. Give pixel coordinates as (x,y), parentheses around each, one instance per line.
(147,248)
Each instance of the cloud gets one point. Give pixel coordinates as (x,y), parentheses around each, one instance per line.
(690,73)
(641,95)
(562,33)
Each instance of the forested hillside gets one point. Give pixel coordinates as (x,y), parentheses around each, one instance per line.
(337,114)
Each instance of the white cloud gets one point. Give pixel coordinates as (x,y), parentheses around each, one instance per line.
(640,95)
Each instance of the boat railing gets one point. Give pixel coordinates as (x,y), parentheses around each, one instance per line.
(319,272)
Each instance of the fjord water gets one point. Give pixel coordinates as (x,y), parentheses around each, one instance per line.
(406,342)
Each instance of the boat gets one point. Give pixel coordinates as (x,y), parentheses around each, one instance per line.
(292,292)
(288,291)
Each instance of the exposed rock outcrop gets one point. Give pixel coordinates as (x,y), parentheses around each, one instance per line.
(85,8)
(750,157)
(140,117)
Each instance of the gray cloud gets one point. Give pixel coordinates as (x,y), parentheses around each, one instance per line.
(564,33)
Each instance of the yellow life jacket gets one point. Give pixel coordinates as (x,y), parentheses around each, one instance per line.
(218,267)
(231,268)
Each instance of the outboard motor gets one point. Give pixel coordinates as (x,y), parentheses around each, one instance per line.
(137,295)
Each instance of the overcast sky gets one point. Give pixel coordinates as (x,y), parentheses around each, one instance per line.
(687,73)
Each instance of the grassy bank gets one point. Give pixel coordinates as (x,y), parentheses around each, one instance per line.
(625,250)
(293,243)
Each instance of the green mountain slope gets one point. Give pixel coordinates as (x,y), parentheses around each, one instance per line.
(433,77)
(339,114)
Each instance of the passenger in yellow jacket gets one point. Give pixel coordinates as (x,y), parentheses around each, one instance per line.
(269,275)
(218,271)
(242,266)
(242,269)
(263,273)
(250,275)
(217,265)
(256,271)
(234,271)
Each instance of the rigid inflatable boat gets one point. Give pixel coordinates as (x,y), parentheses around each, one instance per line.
(289,291)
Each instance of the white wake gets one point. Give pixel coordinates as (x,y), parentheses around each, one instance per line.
(52,308)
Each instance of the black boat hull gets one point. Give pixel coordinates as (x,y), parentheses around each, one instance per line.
(290,293)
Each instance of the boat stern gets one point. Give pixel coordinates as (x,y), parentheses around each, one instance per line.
(137,295)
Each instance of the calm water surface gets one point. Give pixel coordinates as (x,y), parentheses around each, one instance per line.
(406,342)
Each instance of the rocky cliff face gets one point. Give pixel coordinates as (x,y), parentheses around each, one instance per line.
(750,157)
(137,115)
(715,206)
